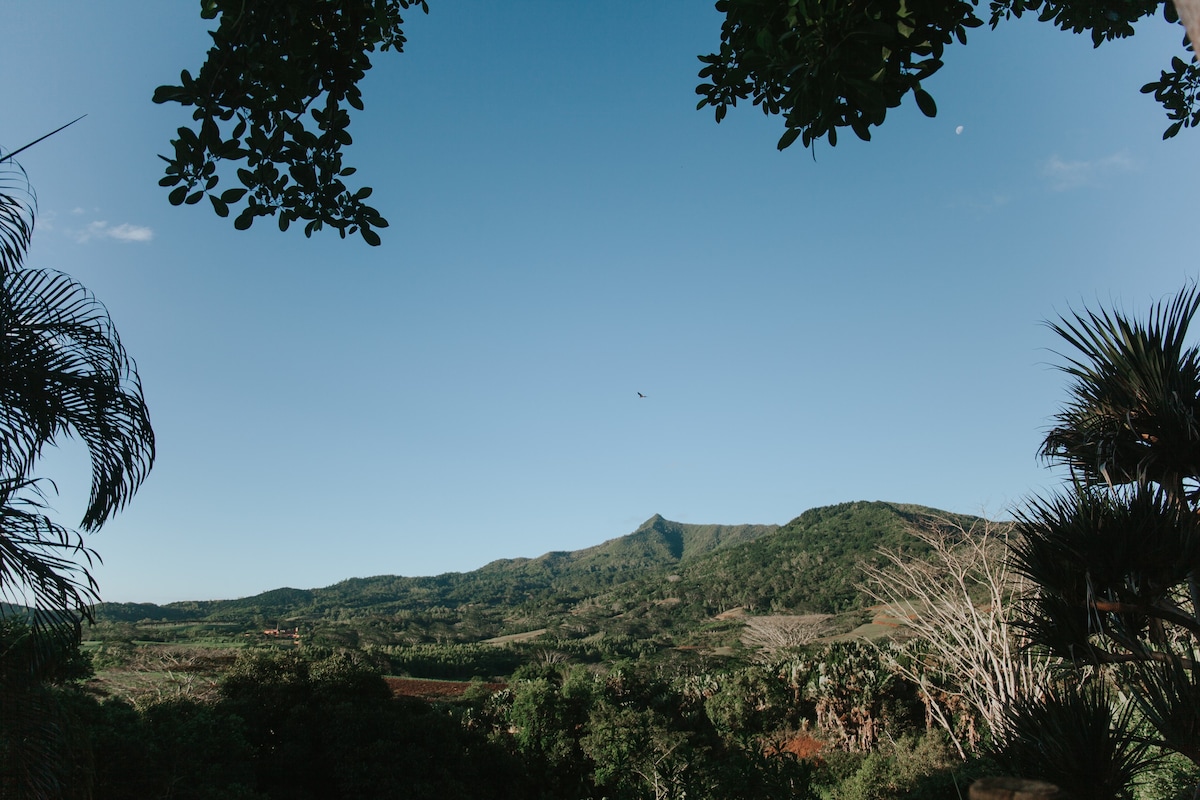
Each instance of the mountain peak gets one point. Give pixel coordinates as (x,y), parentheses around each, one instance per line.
(651,524)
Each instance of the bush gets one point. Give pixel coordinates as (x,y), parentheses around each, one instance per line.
(911,768)
(1076,738)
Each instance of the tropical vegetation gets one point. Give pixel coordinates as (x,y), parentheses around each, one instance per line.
(63,372)
(1114,561)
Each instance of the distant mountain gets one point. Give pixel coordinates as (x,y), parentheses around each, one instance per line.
(812,564)
(660,584)
(656,545)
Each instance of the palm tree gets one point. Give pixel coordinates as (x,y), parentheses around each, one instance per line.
(1116,559)
(63,372)
(1134,409)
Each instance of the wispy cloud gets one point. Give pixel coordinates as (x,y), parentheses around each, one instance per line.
(122,233)
(1064,175)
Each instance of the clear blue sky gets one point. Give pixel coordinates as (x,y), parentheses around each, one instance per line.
(567,230)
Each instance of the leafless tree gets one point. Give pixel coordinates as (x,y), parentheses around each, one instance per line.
(956,601)
(770,634)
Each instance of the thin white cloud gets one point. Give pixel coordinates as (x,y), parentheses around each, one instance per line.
(122,233)
(1065,175)
(131,233)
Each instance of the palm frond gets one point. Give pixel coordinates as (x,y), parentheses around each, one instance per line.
(44,567)
(65,372)
(1077,737)
(17,206)
(1168,694)
(1107,564)
(1134,412)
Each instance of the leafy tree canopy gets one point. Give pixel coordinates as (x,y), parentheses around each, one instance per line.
(274,92)
(828,64)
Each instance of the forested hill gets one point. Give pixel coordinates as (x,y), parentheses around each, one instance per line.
(658,544)
(809,565)
(812,564)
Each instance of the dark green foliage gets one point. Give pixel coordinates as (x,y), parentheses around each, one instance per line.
(546,713)
(1116,563)
(136,612)
(1107,565)
(1172,778)
(329,729)
(630,734)
(827,64)
(43,750)
(176,748)
(1179,92)
(289,726)
(749,703)
(908,768)
(1168,695)
(451,662)
(65,373)
(1134,408)
(274,92)
(24,660)
(812,564)
(1076,739)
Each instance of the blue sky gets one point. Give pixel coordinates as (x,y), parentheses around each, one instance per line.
(566,231)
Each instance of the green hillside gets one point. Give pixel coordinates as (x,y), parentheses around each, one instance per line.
(658,544)
(809,565)
(658,587)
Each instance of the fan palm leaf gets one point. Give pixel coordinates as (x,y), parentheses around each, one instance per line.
(1134,411)
(1105,564)
(1078,737)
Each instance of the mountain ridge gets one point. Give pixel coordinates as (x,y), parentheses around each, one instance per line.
(652,539)
(809,564)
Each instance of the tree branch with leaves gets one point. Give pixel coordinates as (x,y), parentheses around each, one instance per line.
(274,93)
(828,64)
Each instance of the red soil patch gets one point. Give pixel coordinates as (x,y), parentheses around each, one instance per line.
(433,690)
(802,746)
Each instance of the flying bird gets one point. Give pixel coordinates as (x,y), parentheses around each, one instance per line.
(641,395)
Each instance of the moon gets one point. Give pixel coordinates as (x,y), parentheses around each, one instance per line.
(958,131)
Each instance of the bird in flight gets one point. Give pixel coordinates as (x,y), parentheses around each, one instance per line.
(641,395)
